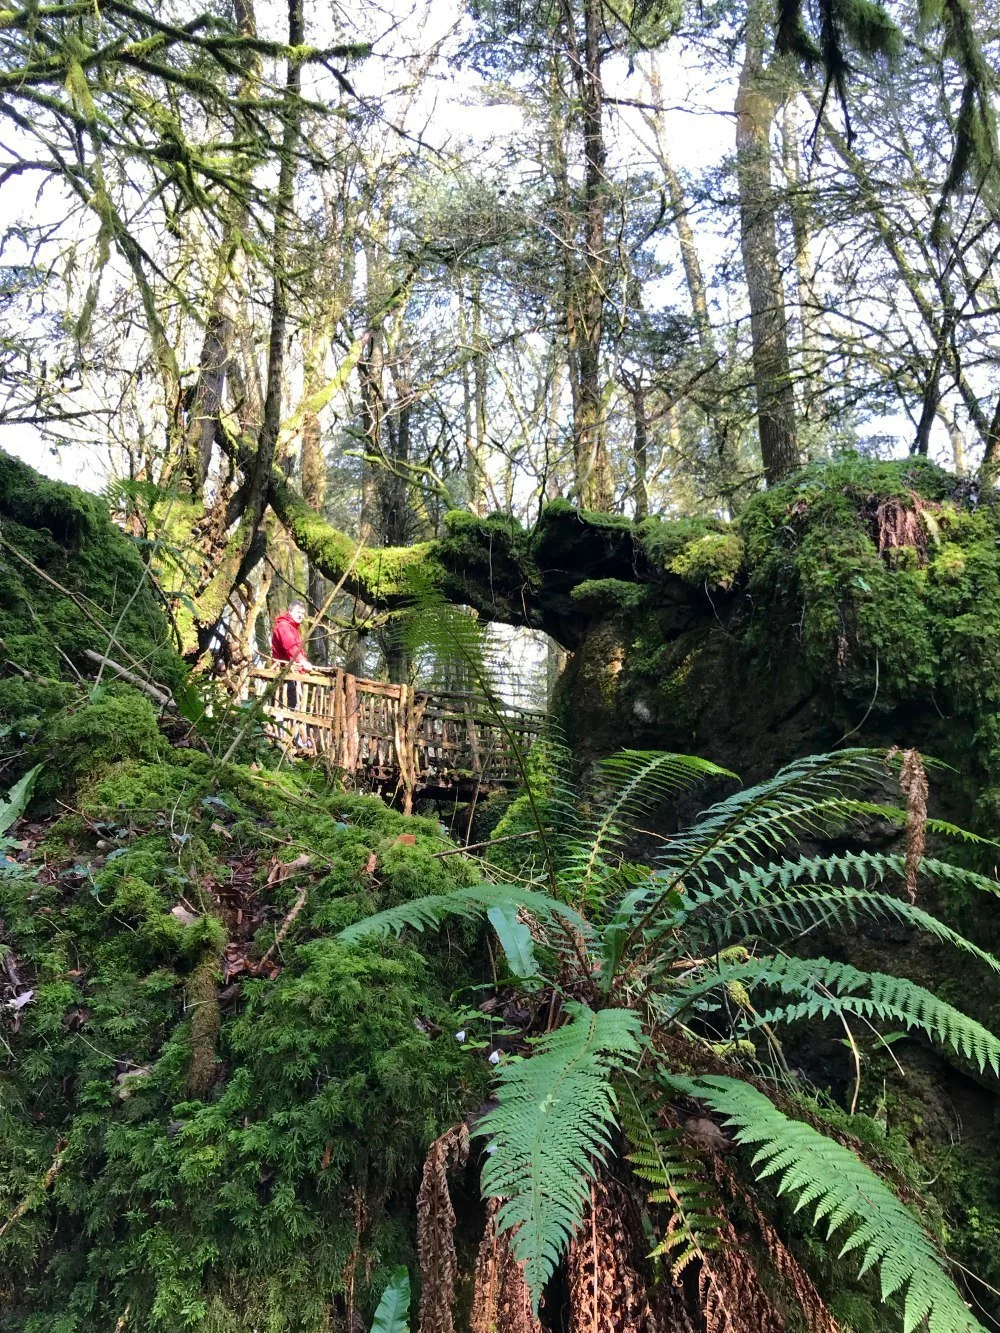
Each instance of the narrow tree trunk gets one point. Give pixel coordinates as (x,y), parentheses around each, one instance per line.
(708,394)
(592,268)
(477,458)
(756,104)
(216,349)
(242,551)
(800,216)
(314,487)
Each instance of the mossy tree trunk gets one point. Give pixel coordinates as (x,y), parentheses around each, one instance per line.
(757,101)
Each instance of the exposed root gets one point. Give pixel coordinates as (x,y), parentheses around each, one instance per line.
(898,523)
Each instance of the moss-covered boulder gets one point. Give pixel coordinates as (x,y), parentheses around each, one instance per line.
(858,600)
(212,1115)
(70,581)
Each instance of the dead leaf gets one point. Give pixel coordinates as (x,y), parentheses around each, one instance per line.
(19,1001)
(327,1157)
(407,840)
(370,865)
(182,914)
(222,831)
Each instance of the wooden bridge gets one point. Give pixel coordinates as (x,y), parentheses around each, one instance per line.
(393,738)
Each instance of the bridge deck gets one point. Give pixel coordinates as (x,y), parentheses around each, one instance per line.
(392,735)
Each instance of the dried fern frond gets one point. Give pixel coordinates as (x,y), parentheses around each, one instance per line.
(607,1294)
(436,1231)
(501,1301)
(817,1317)
(732,1298)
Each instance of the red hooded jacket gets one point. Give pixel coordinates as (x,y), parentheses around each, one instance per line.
(286,641)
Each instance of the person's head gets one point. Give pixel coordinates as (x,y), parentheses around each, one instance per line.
(297,611)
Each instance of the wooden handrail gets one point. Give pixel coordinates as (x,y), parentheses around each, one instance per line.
(385,732)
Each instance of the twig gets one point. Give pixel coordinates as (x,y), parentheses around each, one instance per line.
(490,842)
(43,1185)
(157,695)
(300,902)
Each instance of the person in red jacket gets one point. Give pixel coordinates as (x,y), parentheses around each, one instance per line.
(286,637)
(286,646)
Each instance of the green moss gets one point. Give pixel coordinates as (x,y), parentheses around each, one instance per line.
(57,538)
(220,1132)
(602,594)
(87,739)
(712,561)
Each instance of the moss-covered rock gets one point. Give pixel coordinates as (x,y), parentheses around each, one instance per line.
(239,1111)
(71,581)
(857,598)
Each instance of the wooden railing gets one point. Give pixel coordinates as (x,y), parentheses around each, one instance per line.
(383,734)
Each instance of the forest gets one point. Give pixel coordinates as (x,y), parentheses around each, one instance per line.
(500,666)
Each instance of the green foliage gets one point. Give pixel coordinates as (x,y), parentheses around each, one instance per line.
(551,1126)
(711,561)
(477,900)
(660,1158)
(14,804)
(392,1315)
(842,1192)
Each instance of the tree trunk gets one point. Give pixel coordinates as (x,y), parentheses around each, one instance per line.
(242,551)
(314,488)
(707,396)
(216,348)
(756,104)
(587,295)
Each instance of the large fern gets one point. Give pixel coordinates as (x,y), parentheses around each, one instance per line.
(551,1126)
(844,1195)
(686,960)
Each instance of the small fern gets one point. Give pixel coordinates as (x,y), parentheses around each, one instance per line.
(842,1193)
(552,1124)
(678,1179)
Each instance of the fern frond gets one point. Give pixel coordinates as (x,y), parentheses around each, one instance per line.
(826,988)
(551,1126)
(833,988)
(863,868)
(430,911)
(678,1180)
(806,798)
(633,782)
(712,919)
(843,1194)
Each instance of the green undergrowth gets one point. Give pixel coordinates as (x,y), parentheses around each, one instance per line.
(234,1145)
